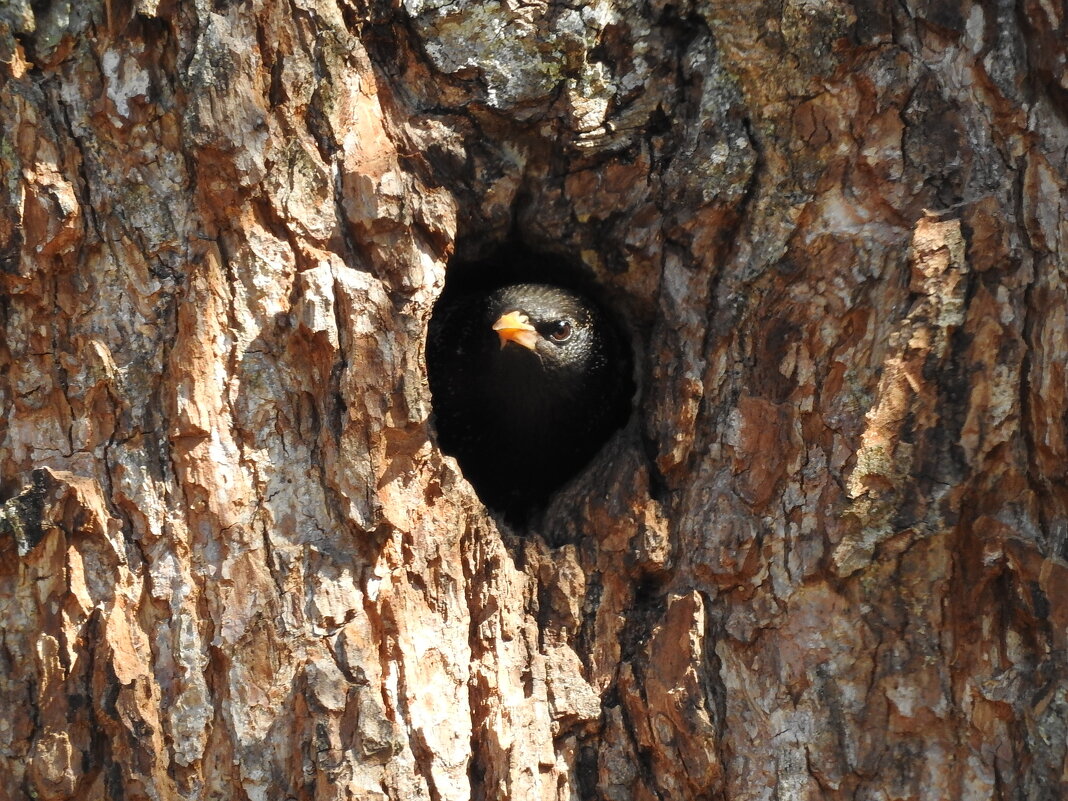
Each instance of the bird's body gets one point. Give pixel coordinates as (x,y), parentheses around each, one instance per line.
(527,382)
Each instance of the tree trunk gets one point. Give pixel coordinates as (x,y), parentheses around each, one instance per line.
(826,559)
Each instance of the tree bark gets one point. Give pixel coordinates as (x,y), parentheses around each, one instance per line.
(826,559)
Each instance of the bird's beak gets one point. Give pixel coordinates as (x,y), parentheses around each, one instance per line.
(515,327)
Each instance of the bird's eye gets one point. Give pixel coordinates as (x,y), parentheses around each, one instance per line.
(560,331)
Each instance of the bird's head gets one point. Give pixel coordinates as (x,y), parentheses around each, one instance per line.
(560,328)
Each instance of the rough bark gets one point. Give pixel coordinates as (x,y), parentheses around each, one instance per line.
(825,560)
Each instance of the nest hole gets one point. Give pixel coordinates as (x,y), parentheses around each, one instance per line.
(525,411)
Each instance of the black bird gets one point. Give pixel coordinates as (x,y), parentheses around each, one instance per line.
(527,382)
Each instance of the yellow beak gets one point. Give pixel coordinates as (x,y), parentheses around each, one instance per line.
(515,327)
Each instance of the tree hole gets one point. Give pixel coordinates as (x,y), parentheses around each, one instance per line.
(529,373)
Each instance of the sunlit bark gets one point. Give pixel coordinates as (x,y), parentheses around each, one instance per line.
(825,560)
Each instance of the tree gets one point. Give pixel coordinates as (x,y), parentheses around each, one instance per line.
(824,560)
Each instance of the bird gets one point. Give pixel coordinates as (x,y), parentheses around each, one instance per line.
(527,382)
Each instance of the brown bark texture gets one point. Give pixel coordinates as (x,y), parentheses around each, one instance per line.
(826,559)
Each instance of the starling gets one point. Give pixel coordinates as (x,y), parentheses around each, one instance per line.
(527,382)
